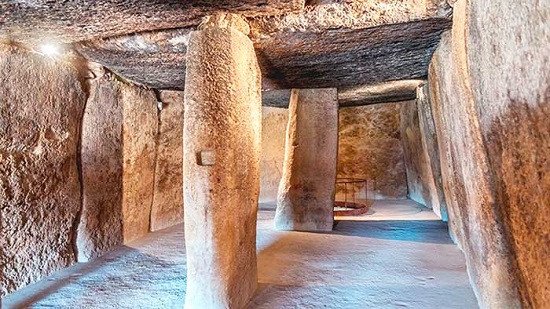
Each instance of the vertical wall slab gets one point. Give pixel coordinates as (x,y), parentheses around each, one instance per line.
(274,122)
(369,147)
(509,75)
(119,134)
(167,209)
(100,228)
(430,148)
(305,200)
(41,106)
(221,164)
(419,176)
(489,91)
(474,214)
(140,125)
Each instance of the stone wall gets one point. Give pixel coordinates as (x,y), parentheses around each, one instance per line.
(370,148)
(140,125)
(489,91)
(421,155)
(430,149)
(167,209)
(100,227)
(77,163)
(511,66)
(274,123)
(416,162)
(41,106)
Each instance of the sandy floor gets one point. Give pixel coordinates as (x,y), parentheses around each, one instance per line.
(379,262)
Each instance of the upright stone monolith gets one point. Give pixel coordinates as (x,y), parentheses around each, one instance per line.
(221,164)
(305,200)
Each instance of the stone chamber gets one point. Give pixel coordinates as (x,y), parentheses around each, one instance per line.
(169,154)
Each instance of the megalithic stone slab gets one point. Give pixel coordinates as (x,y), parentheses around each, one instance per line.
(101,220)
(305,200)
(41,104)
(140,125)
(222,129)
(167,209)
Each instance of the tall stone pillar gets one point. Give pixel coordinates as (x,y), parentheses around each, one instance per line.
(222,134)
(305,201)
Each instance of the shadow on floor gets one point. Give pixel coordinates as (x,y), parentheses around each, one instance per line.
(425,231)
(134,275)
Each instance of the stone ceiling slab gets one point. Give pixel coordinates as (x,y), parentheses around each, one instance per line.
(387,92)
(393,91)
(334,58)
(153,59)
(345,58)
(71,21)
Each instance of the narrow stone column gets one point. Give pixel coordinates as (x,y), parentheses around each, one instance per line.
(305,201)
(222,134)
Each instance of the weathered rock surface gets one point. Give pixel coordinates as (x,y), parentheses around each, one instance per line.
(370,148)
(101,220)
(167,209)
(469,187)
(72,21)
(139,133)
(322,15)
(419,176)
(340,57)
(493,136)
(388,92)
(221,164)
(305,200)
(276,98)
(41,105)
(344,58)
(154,59)
(431,151)
(274,121)
(508,72)
(329,44)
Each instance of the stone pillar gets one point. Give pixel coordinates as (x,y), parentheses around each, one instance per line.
(221,164)
(305,200)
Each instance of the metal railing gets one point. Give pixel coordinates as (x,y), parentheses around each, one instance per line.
(352,205)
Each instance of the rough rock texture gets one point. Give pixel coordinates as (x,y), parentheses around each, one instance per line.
(507,71)
(221,164)
(322,15)
(344,57)
(167,209)
(388,92)
(139,133)
(329,44)
(305,199)
(41,105)
(79,20)
(154,59)
(430,149)
(100,226)
(474,213)
(339,57)
(274,122)
(416,163)
(370,148)
(417,135)
(493,136)
(276,98)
